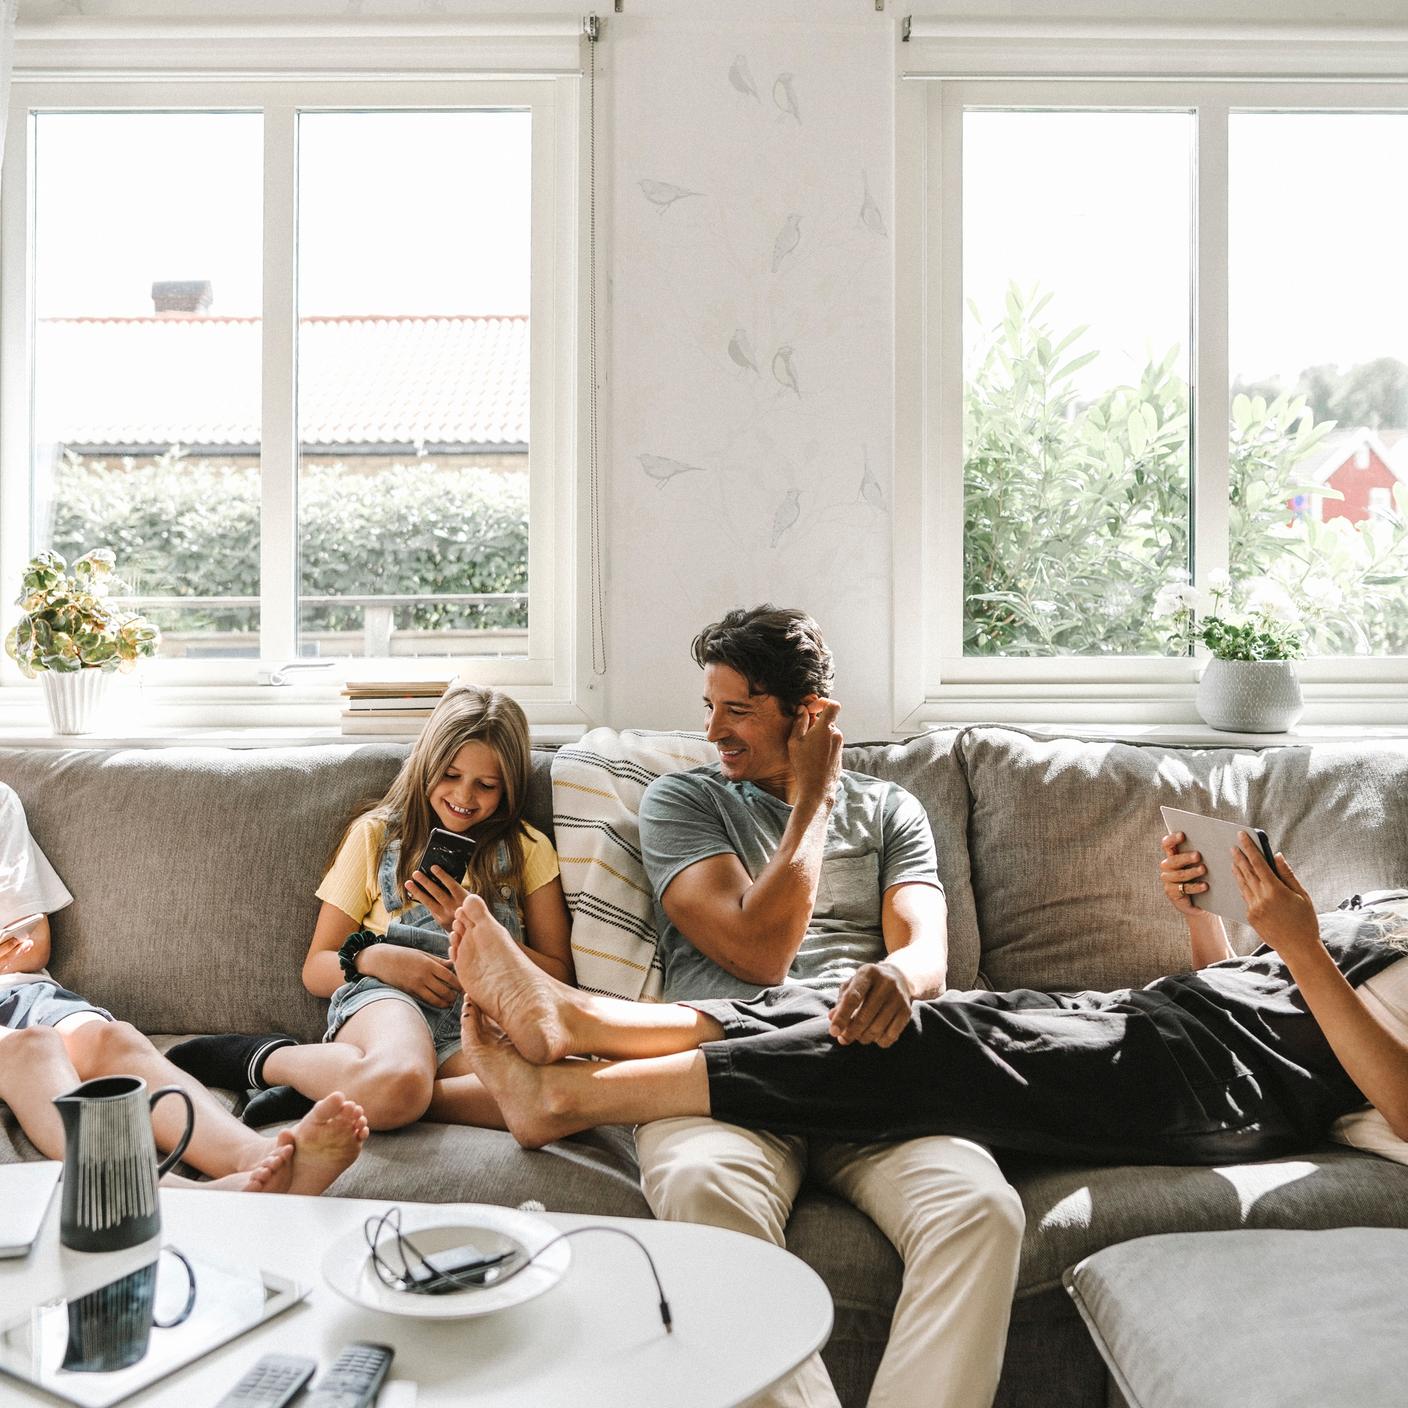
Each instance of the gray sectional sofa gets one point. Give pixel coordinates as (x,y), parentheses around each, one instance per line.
(193,873)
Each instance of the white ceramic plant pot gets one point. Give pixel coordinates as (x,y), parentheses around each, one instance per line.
(1250,696)
(74,697)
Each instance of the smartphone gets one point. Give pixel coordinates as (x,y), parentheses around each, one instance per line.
(449,850)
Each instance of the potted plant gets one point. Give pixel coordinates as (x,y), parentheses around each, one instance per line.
(1254,632)
(73,637)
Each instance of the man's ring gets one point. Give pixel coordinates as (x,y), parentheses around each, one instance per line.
(1181,890)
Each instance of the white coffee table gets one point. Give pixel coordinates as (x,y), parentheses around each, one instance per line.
(745,1312)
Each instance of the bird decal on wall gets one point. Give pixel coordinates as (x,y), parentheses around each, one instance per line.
(740,349)
(785,98)
(663,194)
(870,489)
(788,238)
(662,469)
(870,215)
(788,511)
(784,373)
(741,77)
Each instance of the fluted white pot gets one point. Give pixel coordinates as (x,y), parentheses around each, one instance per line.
(74,698)
(1250,696)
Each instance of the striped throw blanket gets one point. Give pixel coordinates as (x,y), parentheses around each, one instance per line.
(597,785)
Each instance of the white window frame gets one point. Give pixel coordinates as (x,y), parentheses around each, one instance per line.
(141,65)
(951,66)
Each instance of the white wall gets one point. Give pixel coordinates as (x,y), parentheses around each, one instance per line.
(771,498)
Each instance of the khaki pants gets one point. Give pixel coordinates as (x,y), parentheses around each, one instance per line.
(942,1202)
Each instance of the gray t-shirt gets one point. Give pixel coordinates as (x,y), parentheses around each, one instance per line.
(878,836)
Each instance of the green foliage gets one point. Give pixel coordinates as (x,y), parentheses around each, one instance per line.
(192,529)
(67,622)
(1269,625)
(1076,513)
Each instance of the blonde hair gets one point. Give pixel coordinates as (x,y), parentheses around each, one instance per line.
(466,713)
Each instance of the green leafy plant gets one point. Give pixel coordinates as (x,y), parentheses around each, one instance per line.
(69,624)
(1267,626)
(1076,509)
(187,527)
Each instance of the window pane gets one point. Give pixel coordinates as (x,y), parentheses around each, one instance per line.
(1318,343)
(1076,262)
(148,268)
(413,275)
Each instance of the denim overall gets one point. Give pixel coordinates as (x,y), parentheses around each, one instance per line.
(415,927)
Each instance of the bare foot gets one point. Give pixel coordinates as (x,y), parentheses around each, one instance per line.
(273,1173)
(324,1142)
(270,1175)
(532,1008)
(520,1088)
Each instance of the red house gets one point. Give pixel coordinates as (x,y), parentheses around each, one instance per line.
(1363,465)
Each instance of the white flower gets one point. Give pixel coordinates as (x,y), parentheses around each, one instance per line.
(1219,582)
(1268,598)
(1174,598)
(1323,592)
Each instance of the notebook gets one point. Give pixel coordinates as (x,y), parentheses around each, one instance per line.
(29,1189)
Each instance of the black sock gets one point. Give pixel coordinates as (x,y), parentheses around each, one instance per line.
(229,1062)
(275,1105)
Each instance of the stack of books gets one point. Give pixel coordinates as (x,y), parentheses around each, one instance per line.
(396,707)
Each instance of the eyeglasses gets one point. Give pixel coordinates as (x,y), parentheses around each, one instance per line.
(401,1266)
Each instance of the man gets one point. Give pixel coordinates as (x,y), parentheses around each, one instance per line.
(775,867)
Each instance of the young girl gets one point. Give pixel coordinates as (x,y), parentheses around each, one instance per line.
(379,948)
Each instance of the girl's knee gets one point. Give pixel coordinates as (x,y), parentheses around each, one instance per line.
(391,1096)
(28,1046)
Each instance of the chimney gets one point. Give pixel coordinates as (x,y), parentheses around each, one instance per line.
(188,296)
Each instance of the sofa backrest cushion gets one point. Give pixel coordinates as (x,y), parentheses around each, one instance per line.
(929,766)
(1065,841)
(193,872)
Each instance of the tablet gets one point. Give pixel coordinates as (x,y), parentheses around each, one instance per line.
(1214,839)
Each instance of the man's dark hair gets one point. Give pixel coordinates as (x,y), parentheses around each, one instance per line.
(777,650)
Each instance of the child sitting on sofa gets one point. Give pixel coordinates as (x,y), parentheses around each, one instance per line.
(379,949)
(52,1039)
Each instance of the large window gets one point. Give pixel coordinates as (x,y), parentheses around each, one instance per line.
(1165,338)
(306,357)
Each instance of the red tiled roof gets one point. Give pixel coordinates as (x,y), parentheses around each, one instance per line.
(365,382)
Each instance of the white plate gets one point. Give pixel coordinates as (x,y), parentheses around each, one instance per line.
(348,1270)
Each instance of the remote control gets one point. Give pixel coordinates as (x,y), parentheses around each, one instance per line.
(271,1382)
(354,1378)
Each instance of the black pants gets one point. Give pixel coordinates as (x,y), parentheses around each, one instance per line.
(1207,1067)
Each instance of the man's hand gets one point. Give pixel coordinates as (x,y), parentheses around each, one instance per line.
(423,975)
(814,747)
(873,1007)
(440,893)
(1278,907)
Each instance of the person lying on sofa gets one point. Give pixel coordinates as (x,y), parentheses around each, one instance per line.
(1242,1058)
(52,1039)
(774,868)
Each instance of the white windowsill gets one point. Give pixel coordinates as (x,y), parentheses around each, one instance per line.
(1203,735)
(235,717)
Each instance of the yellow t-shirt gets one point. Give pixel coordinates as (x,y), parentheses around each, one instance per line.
(352,886)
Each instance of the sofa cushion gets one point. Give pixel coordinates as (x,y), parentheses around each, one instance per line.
(1073,1211)
(1065,843)
(929,766)
(193,872)
(1293,1297)
(597,786)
